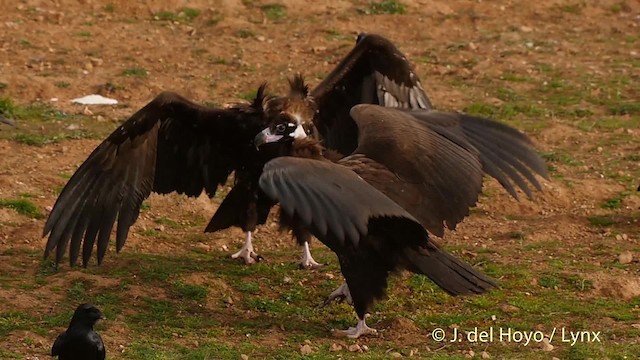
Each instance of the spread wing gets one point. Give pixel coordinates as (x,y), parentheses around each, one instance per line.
(506,153)
(435,178)
(431,163)
(330,199)
(169,145)
(374,72)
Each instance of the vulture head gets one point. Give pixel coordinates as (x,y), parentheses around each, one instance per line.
(297,108)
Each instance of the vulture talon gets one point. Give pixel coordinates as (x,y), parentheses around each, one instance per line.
(246,253)
(355,332)
(340,294)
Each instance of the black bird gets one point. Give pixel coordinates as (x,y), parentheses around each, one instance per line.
(80,341)
(411,170)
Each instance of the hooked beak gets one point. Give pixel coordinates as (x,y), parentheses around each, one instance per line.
(265,136)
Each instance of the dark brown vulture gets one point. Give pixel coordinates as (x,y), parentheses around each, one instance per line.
(373,72)
(169,145)
(411,171)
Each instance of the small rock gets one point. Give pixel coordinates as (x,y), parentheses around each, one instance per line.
(546,346)
(526,29)
(318,49)
(365,348)
(493,318)
(470,354)
(335,347)
(330,276)
(305,349)
(625,258)
(508,308)
(73,127)
(286,280)
(395,355)
(96,61)
(86,111)
(485,355)
(244,357)
(88,66)
(261,38)
(229,300)
(355,348)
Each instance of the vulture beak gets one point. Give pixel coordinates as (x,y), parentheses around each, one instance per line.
(265,136)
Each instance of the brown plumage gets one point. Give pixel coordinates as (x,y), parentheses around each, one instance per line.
(169,145)
(362,206)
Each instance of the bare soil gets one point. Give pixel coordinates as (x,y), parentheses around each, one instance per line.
(54,51)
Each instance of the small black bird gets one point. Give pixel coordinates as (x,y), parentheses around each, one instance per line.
(80,341)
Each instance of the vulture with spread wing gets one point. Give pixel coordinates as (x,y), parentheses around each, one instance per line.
(411,171)
(170,145)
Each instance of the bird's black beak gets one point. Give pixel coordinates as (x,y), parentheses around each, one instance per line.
(265,136)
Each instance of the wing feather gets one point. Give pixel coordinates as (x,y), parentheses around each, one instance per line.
(169,145)
(373,72)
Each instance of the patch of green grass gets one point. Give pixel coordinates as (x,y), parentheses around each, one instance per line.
(109,8)
(245,33)
(12,321)
(249,95)
(625,109)
(601,221)
(274,12)
(135,72)
(188,291)
(46,139)
(62,84)
(22,206)
(84,34)
(560,157)
(575,8)
(78,291)
(185,14)
(612,203)
(384,7)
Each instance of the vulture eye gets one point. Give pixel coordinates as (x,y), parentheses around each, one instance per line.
(280,128)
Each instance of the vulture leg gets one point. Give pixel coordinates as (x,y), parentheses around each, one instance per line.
(246,253)
(307,261)
(340,294)
(355,332)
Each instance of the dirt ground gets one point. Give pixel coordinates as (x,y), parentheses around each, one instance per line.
(565,72)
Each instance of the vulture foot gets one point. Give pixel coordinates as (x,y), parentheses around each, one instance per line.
(307,261)
(356,332)
(340,294)
(246,253)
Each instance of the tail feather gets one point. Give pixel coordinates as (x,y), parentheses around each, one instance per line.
(453,275)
